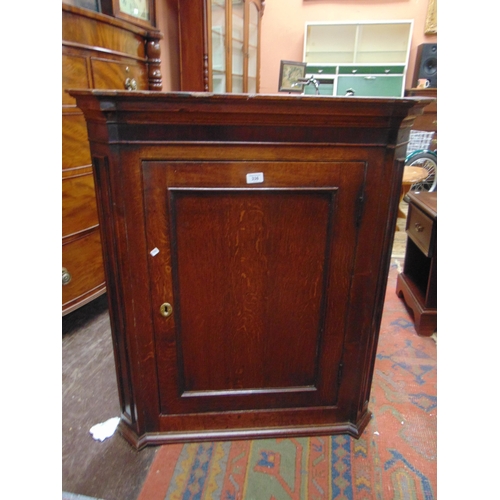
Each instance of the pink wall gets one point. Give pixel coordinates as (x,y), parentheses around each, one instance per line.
(282,34)
(284,20)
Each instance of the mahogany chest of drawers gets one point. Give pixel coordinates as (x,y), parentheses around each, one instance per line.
(98,51)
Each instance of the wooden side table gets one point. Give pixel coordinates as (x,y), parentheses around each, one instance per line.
(417,284)
(427,121)
(411,175)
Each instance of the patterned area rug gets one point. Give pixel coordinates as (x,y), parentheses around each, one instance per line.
(395,458)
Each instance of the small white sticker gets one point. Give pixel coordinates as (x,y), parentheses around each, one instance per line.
(154,252)
(255,178)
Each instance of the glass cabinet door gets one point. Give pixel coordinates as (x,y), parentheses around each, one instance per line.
(253,47)
(237,45)
(234,50)
(218,29)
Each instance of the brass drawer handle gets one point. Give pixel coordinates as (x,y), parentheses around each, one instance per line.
(166,310)
(66,277)
(419,228)
(130,84)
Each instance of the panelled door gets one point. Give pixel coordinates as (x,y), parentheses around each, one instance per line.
(250,264)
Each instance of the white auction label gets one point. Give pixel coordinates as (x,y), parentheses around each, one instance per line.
(255,178)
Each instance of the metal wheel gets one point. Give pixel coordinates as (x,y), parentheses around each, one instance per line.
(427,160)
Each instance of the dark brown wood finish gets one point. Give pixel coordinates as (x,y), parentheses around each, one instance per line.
(417,284)
(98,51)
(193,45)
(276,287)
(428,120)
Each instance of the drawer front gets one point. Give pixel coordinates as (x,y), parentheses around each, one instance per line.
(79,210)
(75,142)
(321,70)
(371,86)
(371,70)
(93,32)
(74,76)
(82,258)
(420,228)
(112,74)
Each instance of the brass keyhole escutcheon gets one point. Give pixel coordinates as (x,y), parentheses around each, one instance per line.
(166,309)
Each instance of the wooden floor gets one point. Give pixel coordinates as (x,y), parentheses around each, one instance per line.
(399,246)
(111,469)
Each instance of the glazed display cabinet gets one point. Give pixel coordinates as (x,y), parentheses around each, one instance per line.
(220,45)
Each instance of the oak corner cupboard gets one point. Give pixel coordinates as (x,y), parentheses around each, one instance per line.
(98,51)
(247,244)
(220,45)
(365,58)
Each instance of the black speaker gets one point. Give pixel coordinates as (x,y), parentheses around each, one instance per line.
(426,65)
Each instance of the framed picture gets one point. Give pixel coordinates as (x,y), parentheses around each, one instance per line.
(140,12)
(431,27)
(94,5)
(290,73)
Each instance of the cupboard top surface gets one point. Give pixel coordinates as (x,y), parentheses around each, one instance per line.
(165,117)
(319,110)
(231,96)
